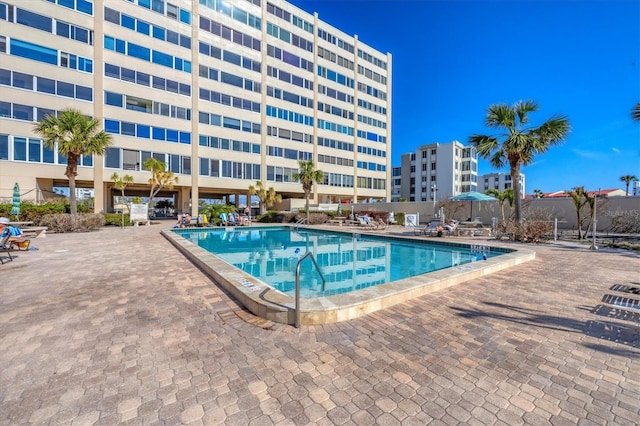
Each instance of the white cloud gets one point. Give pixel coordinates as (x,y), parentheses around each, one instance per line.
(616,150)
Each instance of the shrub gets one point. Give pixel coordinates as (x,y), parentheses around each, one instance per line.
(536,226)
(625,222)
(115,219)
(33,212)
(83,222)
(399,218)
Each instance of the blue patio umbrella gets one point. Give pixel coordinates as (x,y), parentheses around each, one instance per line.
(15,208)
(472,196)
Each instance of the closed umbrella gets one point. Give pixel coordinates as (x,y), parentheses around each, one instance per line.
(472,196)
(15,208)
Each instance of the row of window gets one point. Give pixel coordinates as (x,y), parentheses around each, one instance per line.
(370,136)
(337,59)
(334,76)
(339,180)
(289,134)
(144,79)
(322,107)
(129,159)
(371,183)
(284,114)
(146,132)
(45,85)
(229,144)
(287,37)
(372,91)
(291,154)
(44,54)
(274,92)
(230,169)
(169,10)
(289,17)
(232,11)
(45,23)
(369,165)
(372,107)
(230,34)
(228,122)
(228,78)
(287,77)
(230,57)
(335,94)
(32,150)
(289,58)
(335,40)
(372,75)
(146,28)
(372,121)
(24,112)
(332,143)
(234,101)
(371,151)
(135,103)
(146,54)
(339,161)
(83,6)
(335,127)
(281,174)
(372,59)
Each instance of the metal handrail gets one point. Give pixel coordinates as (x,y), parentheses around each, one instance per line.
(300,222)
(307,254)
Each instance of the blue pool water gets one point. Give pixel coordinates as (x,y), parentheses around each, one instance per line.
(347,261)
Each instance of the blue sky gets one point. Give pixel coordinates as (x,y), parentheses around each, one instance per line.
(454,58)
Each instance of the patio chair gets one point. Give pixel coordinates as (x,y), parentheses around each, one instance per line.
(417,230)
(5,246)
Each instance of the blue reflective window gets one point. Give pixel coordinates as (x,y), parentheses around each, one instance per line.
(112,158)
(157,6)
(34,150)
(5,77)
(23,81)
(33,51)
(128,129)
(158,134)
(162,59)
(143,131)
(20,149)
(84,93)
(185,137)
(87,160)
(231,123)
(85,7)
(23,112)
(143,27)
(81,35)
(120,46)
(109,43)
(185,16)
(187,66)
(62,29)
(34,20)
(178,63)
(145,3)
(138,51)
(127,21)
(47,155)
(4,147)
(85,65)
(112,126)
(114,99)
(173,37)
(158,33)
(67,3)
(5,109)
(172,135)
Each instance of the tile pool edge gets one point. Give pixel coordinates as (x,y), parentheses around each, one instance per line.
(266,302)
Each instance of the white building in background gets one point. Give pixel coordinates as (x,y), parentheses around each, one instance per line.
(436,172)
(84,193)
(634,188)
(396,183)
(225,93)
(500,181)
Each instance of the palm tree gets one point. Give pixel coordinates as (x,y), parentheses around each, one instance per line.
(520,143)
(502,196)
(268,197)
(580,199)
(627,179)
(538,193)
(73,134)
(635,112)
(308,175)
(120,183)
(160,177)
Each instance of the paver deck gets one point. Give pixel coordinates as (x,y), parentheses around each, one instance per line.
(116,326)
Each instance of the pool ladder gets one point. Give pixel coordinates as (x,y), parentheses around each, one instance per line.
(300,222)
(313,259)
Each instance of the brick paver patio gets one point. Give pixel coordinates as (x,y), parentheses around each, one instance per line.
(116,326)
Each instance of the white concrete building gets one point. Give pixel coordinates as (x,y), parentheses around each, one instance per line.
(500,181)
(225,92)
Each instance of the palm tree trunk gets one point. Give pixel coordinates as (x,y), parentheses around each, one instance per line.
(515,181)
(71,172)
(306,199)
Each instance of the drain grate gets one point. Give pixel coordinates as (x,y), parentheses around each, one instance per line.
(621,301)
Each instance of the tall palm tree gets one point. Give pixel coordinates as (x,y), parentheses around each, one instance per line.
(268,196)
(519,143)
(160,177)
(580,198)
(627,179)
(502,196)
(538,193)
(308,175)
(120,183)
(635,112)
(73,134)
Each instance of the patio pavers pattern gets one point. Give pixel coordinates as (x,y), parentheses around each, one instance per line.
(116,326)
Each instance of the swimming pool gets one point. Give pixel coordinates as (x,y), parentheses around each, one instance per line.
(380,276)
(347,262)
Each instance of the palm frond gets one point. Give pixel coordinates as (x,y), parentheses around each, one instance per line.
(635,112)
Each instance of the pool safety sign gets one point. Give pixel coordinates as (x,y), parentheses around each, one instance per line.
(139,213)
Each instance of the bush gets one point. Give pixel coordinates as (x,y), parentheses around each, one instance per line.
(399,218)
(83,222)
(30,212)
(625,222)
(115,219)
(536,227)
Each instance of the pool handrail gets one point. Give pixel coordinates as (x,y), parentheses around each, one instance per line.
(307,254)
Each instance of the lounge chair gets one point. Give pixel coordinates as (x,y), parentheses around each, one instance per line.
(417,230)
(367,224)
(382,224)
(5,246)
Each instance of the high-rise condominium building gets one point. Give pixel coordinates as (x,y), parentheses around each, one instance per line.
(437,171)
(224,92)
(500,181)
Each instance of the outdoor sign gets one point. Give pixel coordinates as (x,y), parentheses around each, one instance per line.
(139,213)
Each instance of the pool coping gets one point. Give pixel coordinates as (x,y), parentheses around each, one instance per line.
(268,303)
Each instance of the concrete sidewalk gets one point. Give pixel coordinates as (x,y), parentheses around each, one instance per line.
(116,326)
